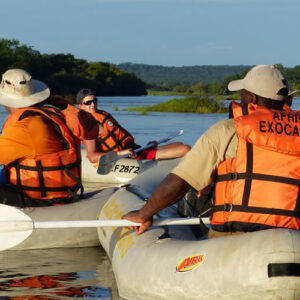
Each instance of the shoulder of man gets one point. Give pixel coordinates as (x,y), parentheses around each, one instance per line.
(223,127)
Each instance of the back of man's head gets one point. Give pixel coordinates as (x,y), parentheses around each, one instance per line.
(266,81)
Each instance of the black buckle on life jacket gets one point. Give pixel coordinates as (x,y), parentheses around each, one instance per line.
(228,207)
(232,176)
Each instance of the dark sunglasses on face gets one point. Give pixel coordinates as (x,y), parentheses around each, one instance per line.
(89,102)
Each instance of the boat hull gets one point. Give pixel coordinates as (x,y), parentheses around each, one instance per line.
(86,209)
(171,263)
(123,170)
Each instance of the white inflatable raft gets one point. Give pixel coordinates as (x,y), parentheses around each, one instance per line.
(123,170)
(23,237)
(86,209)
(171,263)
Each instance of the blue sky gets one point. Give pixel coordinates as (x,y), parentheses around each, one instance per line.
(159,32)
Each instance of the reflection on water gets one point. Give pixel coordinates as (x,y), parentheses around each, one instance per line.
(56,274)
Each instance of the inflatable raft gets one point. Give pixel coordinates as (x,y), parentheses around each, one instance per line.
(122,171)
(86,209)
(171,263)
(21,232)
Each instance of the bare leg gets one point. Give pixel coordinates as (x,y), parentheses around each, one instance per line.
(172,150)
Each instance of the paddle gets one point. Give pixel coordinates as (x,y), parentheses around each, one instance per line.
(107,160)
(16,226)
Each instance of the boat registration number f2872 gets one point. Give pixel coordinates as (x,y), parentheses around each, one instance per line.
(126,169)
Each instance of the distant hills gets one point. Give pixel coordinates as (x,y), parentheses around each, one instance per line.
(154,74)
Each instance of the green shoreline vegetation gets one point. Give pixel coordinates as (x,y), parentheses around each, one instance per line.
(214,88)
(200,105)
(231,96)
(65,75)
(164,93)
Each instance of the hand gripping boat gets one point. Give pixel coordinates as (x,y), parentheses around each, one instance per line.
(169,262)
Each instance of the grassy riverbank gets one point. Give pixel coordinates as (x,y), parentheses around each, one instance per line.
(164,93)
(201,105)
(235,96)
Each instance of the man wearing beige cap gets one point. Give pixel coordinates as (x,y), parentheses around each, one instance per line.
(252,160)
(40,153)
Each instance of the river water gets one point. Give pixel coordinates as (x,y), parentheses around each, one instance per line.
(86,272)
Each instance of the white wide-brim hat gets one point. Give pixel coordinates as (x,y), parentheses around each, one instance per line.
(18,89)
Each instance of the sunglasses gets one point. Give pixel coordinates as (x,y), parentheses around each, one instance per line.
(89,102)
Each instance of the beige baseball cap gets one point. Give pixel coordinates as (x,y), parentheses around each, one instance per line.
(266,81)
(18,89)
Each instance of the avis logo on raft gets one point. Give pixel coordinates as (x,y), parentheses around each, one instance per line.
(189,263)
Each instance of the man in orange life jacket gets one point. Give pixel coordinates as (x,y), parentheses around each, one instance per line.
(40,153)
(253,160)
(112,136)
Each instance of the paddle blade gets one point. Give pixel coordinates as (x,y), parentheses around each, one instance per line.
(12,229)
(105,162)
(171,136)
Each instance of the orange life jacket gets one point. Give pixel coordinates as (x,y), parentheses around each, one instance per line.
(50,178)
(260,187)
(114,136)
(82,123)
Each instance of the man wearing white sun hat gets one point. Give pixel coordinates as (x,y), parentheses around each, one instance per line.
(253,161)
(40,153)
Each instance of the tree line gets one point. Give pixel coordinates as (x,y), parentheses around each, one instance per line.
(65,75)
(156,74)
(198,80)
